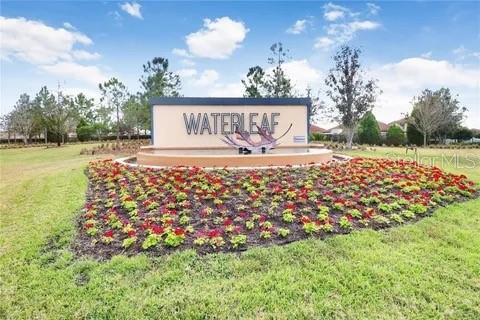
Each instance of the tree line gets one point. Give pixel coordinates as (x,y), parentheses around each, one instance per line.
(351,94)
(55,114)
(434,114)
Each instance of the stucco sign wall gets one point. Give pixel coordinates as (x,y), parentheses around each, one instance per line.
(201,122)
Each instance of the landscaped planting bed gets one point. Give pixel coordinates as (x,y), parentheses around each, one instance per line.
(130,210)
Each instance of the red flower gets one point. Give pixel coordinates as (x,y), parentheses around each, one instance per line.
(179,231)
(227,222)
(305,219)
(214,233)
(156,229)
(132,233)
(108,234)
(290,205)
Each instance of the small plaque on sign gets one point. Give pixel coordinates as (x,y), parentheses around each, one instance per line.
(299,139)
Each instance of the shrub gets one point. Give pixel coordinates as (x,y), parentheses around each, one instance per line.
(317,136)
(462,134)
(368,130)
(414,136)
(395,136)
(85,131)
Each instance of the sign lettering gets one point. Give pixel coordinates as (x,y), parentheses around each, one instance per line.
(227,122)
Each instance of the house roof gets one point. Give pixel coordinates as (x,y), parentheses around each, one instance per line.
(314,129)
(399,122)
(336,127)
(383,126)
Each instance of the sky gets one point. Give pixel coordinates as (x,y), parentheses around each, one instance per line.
(406,46)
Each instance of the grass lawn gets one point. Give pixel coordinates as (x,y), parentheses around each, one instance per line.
(430,269)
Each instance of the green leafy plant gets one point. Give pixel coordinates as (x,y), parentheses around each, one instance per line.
(128,242)
(283,232)
(150,241)
(344,223)
(288,215)
(238,240)
(174,240)
(310,227)
(418,208)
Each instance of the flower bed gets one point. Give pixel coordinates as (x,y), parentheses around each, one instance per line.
(131,210)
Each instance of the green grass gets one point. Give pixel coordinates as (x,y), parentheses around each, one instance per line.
(430,269)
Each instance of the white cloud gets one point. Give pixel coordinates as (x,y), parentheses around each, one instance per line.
(88,74)
(334,12)
(462,53)
(334,15)
(207,78)
(85,55)
(234,89)
(418,72)
(363,25)
(52,50)
(132,9)
(37,43)
(405,79)
(181,53)
(302,74)
(206,83)
(339,32)
(187,73)
(323,43)
(426,55)
(373,8)
(218,38)
(68,25)
(193,79)
(298,27)
(187,62)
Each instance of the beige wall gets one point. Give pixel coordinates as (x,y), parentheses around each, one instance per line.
(169,130)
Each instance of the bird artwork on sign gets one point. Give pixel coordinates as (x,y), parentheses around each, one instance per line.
(244,143)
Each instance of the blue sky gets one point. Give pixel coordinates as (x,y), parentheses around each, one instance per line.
(408,46)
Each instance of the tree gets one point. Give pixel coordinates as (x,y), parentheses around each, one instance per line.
(272,84)
(368,129)
(84,108)
(103,121)
(316,106)
(157,81)
(57,115)
(85,130)
(23,117)
(278,85)
(413,135)
(453,112)
(462,134)
(132,115)
(6,124)
(114,94)
(395,136)
(255,83)
(352,96)
(44,100)
(435,111)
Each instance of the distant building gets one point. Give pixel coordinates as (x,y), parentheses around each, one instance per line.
(402,123)
(316,129)
(383,128)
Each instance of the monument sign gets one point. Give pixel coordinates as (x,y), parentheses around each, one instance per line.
(181,122)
